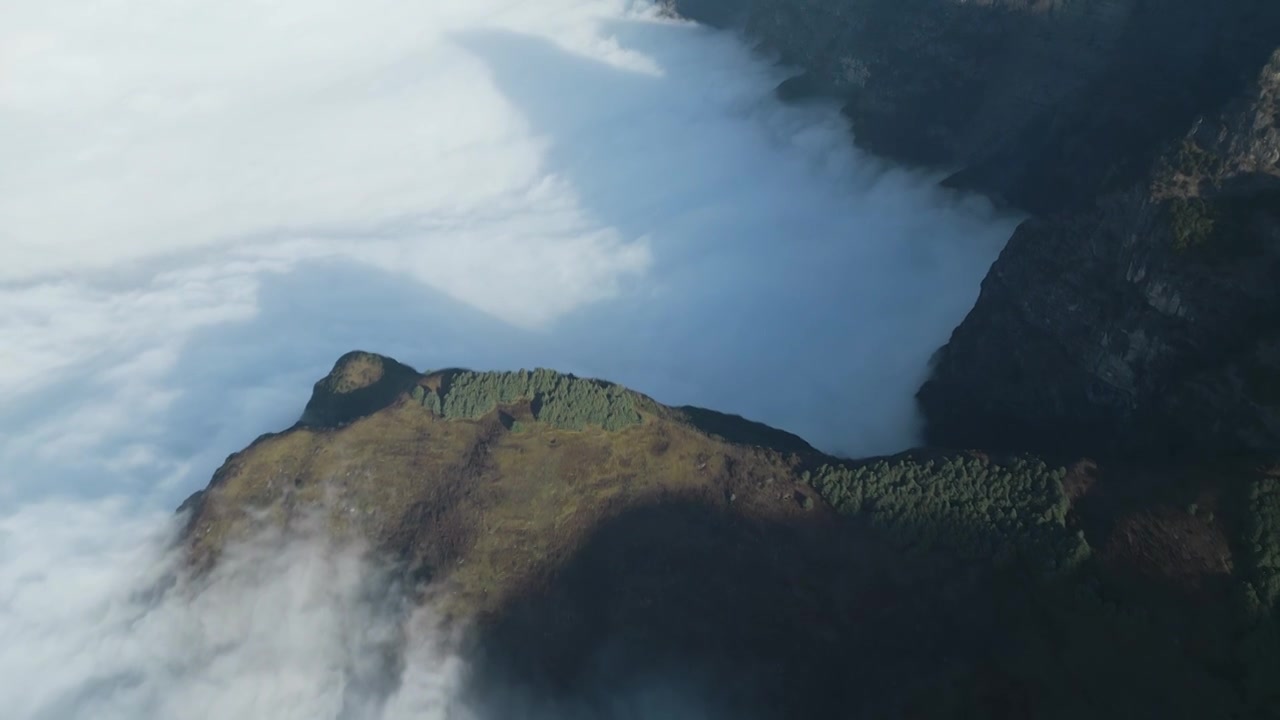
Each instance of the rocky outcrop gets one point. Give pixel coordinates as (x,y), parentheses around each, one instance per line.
(1045,103)
(1148,324)
(359,384)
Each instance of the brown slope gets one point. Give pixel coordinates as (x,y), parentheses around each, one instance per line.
(766,578)
(487,504)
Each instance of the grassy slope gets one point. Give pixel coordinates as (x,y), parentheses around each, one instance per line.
(508,493)
(489,504)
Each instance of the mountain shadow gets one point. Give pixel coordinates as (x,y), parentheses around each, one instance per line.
(727,616)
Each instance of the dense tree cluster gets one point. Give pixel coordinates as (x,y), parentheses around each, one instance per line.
(1262,543)
(560,400)
(1193,221)
(1078,638)
(1195,162)
(970,506)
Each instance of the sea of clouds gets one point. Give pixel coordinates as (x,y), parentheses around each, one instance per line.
(203,203)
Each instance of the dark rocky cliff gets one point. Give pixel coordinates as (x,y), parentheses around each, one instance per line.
(1046,103)
(1138,311)
(1150,323)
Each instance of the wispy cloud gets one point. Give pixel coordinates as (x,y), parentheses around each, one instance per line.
(98,619)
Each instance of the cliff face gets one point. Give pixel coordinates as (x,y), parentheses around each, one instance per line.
(1149,323)
(1046,103)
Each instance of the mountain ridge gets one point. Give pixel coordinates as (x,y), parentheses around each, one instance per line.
(559,544)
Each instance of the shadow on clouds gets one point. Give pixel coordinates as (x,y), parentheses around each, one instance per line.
(793,280)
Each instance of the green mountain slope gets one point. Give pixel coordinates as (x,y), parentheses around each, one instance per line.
(586,535)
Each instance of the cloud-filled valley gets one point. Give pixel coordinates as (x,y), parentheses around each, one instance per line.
(203,204)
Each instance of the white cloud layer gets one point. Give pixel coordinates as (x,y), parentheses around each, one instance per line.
(204,202)
(97,622)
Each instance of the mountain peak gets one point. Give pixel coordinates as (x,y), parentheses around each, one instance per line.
(359,384)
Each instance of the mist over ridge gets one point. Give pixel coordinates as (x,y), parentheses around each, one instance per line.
(204,205)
